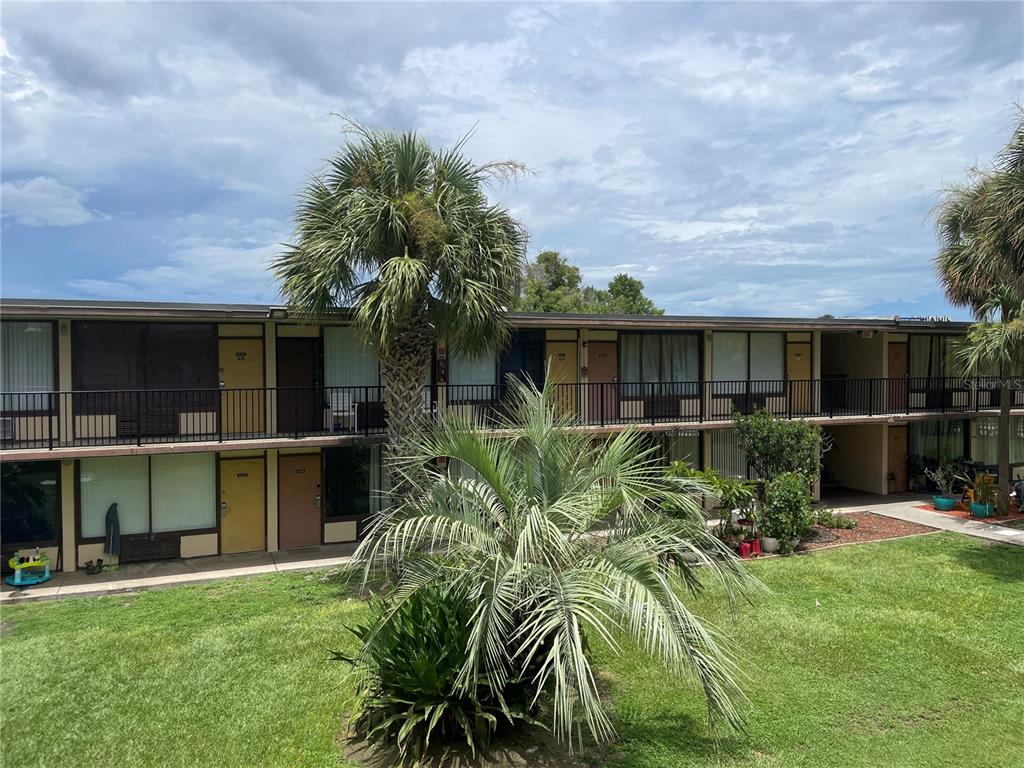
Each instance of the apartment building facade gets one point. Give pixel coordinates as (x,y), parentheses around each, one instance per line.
(232,428)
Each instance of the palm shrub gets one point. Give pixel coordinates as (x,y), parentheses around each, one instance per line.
(786,513)
(405,678)
(556,540)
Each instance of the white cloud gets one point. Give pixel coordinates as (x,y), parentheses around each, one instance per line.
(44,202)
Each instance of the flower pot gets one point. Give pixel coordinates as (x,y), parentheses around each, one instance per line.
(794,542)
(769,544)
(981,510)
(943,503)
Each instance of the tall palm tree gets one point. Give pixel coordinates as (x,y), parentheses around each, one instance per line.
(556,540)
(403,234)
(980,225)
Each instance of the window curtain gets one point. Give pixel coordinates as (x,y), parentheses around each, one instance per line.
(184,491)
(932,442)
(124,480)
(925,356)
(466,370)
(729,357)
(986,441)
(27,357)
(28,502)
(767,356)
(681,353)
(349,362)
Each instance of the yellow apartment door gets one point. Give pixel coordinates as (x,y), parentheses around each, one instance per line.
(241,377)
(243,516)
(798,371)
(563,372)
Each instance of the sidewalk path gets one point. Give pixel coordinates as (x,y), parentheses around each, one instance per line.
(166,573)
(905,507)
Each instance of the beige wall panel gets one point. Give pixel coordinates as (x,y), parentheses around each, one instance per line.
(87,552)
(100,425)
(346,530)
(199,545)
(560,334)
(603,335)
(197,423)
(858,458)
(240,329)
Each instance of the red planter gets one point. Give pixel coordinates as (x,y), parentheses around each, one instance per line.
(745,550)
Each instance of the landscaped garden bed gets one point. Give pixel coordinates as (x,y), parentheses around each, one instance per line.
(870,527)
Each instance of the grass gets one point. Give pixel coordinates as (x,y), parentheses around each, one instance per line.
(910,660)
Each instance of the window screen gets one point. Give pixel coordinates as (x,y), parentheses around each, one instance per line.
(29,497)
(463,369)
(767,356)
(124,480)
(184,491)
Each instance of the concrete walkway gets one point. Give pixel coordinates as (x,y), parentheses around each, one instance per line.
(904,506)
(168,573)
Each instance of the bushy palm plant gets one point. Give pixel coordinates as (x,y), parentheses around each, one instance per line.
(556,539)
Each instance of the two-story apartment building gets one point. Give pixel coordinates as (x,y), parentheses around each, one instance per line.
(232,428)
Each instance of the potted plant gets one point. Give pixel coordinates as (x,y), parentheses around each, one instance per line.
(983,495)
(944,476)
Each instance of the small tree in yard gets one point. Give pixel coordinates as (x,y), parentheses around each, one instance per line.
(776,445)
(548,541)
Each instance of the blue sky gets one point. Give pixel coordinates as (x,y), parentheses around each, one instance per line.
(757,158)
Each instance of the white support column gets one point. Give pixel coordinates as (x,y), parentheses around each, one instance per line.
(272,509)
(68,545)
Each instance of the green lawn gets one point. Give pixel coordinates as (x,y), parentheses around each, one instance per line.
(911,660)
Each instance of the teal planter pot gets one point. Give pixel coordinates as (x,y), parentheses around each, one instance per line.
(981,510)
(944,503)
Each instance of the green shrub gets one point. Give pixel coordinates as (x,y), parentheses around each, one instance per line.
(408,691)
(786,513)
(774,446)
(829,518)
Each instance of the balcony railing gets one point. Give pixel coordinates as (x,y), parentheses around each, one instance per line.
(51,420)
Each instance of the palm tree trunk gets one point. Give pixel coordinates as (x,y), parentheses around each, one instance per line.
(1003,449)
(403,372)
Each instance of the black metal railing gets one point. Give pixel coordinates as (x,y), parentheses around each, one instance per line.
(136,417)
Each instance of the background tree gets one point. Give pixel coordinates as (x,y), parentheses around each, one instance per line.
(980,226)
(404,234)
(554,285)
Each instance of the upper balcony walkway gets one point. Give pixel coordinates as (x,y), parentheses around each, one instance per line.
(45,424)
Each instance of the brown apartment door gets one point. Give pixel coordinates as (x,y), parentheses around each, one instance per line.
(603,374)
(897,376)
(299,402)
(897,472)
(299,500)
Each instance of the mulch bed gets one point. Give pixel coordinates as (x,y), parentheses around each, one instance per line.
(870,527)
(963,511)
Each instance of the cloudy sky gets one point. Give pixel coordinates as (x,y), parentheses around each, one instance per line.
(757,158)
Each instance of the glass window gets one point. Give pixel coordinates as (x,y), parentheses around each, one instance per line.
(727,458)
(29,502)
(729,357)
(986,441)
(767,356)
(660,357)
(351,481)
(524,357)
(184,491)
(123,480)
(27,363)
(932,442)
(349,362)
(465,370)
(181,356)
(683,446)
